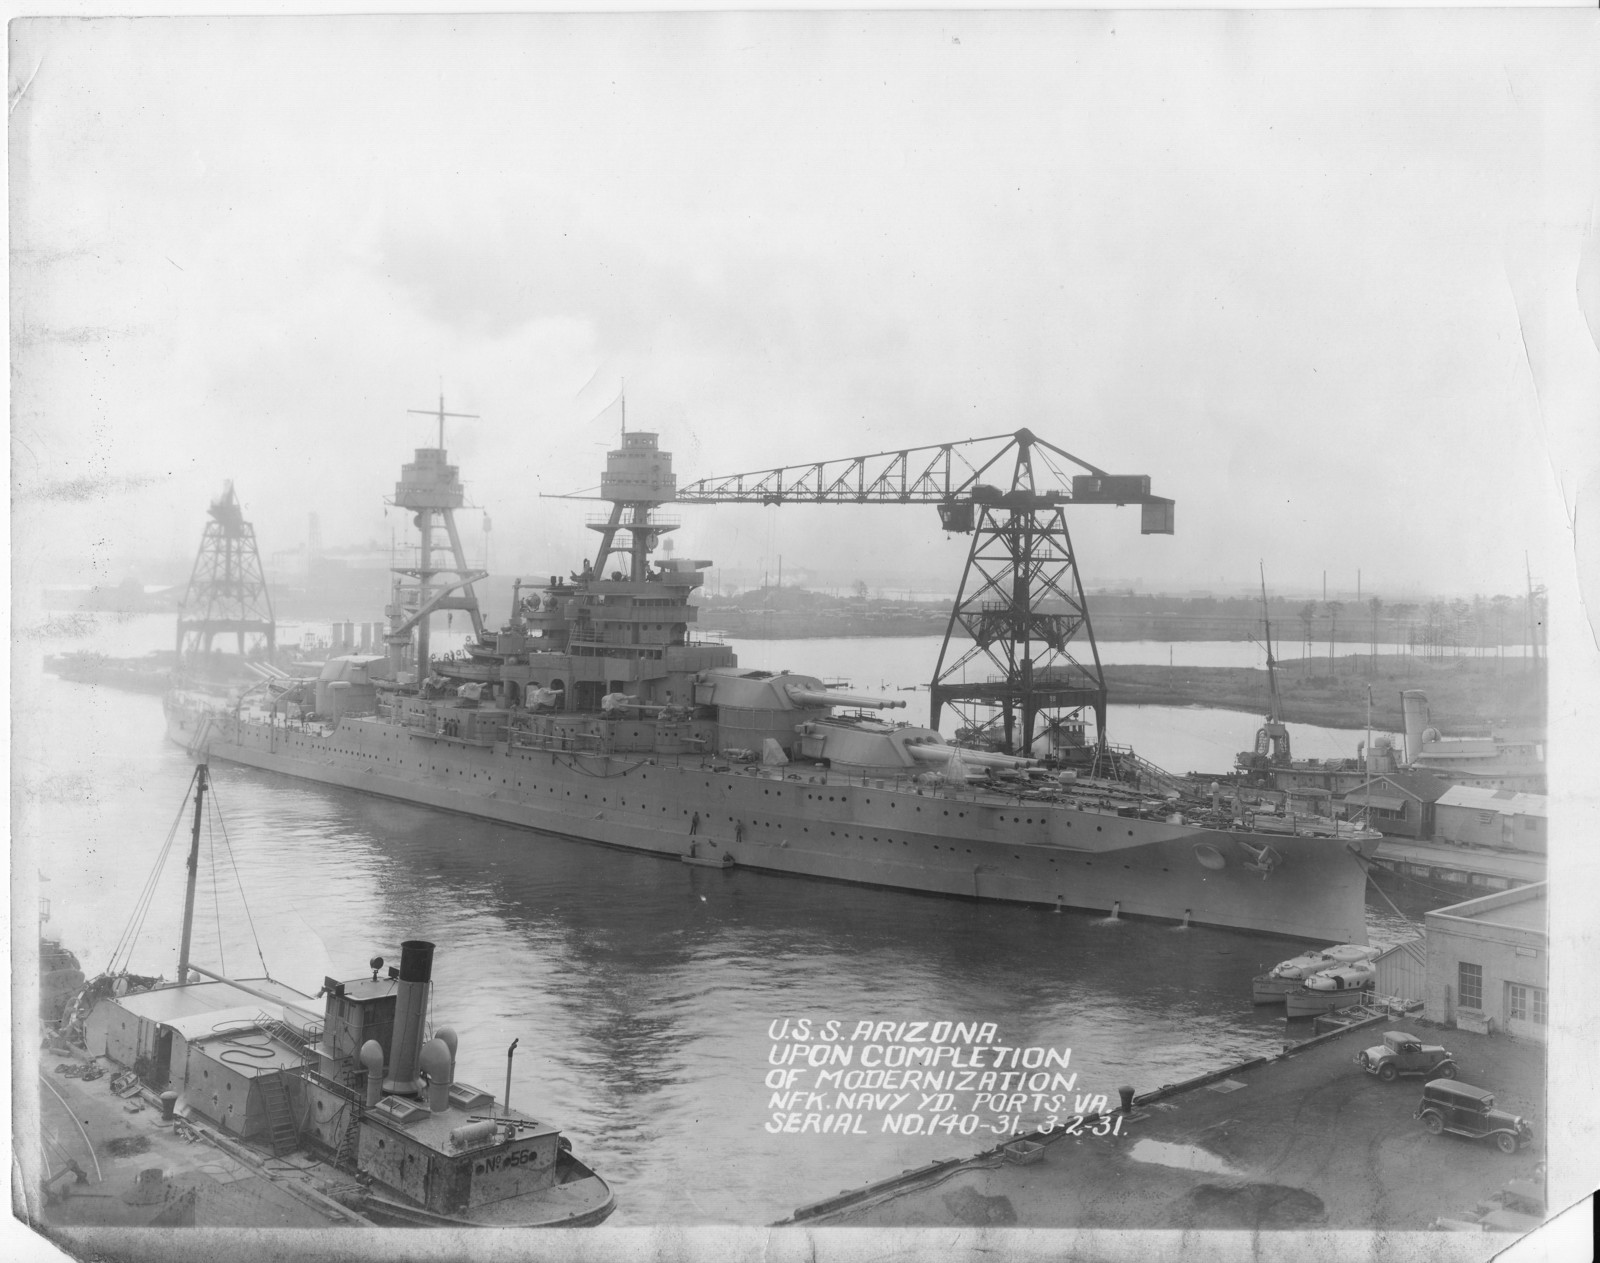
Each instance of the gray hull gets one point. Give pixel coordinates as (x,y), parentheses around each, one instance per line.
(805,821)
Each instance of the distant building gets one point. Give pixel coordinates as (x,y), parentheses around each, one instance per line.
(1488,963)
(1398,804)
(1403,970)
(1471,815)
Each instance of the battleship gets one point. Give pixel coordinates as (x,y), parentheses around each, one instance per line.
(594,714)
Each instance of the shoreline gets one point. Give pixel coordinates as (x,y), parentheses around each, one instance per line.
(1461,695)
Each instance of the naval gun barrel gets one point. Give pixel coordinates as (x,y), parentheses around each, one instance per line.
(828,697)
(937,752)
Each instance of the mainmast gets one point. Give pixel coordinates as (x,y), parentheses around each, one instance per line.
(638,479)
(441,579)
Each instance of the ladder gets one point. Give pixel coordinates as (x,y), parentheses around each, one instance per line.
(282,1133)
(1121,762)
(301,1039)
(355,1081)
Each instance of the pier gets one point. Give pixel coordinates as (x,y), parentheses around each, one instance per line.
(1302,1140)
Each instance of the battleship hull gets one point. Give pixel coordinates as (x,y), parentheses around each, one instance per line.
(813,822)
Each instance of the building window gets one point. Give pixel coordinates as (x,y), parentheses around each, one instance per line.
(1470,985)
(1527,1004)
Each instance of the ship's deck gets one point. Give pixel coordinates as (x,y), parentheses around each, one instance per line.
(1089,794)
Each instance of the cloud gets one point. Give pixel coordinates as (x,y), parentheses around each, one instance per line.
(1260,257)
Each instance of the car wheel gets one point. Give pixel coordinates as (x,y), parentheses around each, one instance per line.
(1433,1122)
(1447,1070)
(1506,1141)
(1388,1073)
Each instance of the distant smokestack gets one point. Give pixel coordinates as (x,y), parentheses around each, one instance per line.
(1414,707)
(410,1012)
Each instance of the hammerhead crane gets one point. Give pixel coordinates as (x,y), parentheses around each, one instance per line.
(1021,599)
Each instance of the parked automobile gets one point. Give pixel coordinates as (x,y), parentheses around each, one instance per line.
(1401,1053)
(1469,1111)
(1518,1207)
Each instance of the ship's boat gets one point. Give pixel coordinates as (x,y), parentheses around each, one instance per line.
(1287,975)
(594,714)
(1337,988)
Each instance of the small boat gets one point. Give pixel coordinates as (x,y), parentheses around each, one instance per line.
(1287,975)
(1337,988)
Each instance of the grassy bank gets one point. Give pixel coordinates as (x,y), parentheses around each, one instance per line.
(1463,694)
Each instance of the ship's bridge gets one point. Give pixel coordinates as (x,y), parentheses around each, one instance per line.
(639,472)
(429,482)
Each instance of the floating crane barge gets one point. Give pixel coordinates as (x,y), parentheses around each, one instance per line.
(593,714)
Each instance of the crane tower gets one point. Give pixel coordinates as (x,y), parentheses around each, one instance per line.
(227,590)
(1032,667)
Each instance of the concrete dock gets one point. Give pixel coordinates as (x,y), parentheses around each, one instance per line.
(1476,870)
(107,1160)
(1306,1140)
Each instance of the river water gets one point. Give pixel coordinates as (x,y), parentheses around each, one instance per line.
(643,993)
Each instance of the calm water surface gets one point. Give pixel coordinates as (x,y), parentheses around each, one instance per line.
(641,990)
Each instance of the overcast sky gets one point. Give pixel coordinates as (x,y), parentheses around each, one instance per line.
(1322,276)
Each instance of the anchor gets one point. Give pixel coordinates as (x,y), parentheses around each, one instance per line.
(1263,859)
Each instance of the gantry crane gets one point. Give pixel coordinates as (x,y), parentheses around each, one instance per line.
(1021,599)
(227,589)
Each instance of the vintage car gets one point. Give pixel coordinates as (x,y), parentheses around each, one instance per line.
(1401,1053)
(1518,1207)
(1469,1111)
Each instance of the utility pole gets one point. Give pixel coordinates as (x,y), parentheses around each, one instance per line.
(1533,620)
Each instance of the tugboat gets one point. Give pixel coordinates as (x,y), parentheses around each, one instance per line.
(357,1081)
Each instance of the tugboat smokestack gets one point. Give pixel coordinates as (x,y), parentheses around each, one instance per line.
(410,1013)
